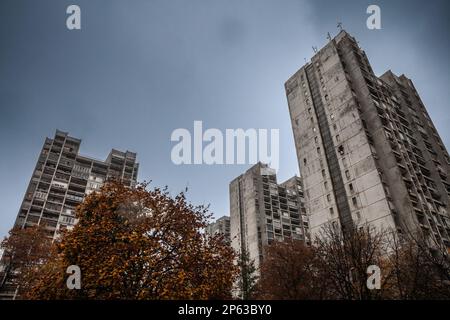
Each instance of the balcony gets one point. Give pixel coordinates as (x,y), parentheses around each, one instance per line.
(416,206)
(425,171)
(62,178)
(74,198)
(52,157)
(63,170)
(52,208)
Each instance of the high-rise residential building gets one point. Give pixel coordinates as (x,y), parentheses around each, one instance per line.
(367,149)
(63,177)
(60,181)
(261,211)
(220,227)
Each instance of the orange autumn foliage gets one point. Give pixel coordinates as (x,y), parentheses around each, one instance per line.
(132,243)
(25,250)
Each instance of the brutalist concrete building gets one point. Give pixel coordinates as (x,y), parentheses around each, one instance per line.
(60,181)
(367,149)
(220,227)
(262,211)
(63,177)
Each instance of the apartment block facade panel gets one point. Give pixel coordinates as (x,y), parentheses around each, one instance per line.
(220,227)
(352,134)
(263,211)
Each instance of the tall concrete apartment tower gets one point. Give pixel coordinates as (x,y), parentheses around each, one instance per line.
(60,181)
(367,149)
(62,178)
(261,211)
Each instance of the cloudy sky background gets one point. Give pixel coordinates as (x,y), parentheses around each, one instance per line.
(140,69)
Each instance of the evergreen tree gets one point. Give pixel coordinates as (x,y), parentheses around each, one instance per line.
(248,276)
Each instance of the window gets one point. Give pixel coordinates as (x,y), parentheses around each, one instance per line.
(312,120)
(316,139)
(358,215)
(304,161)
(318,150)
(350,186)
(347,174)
(335,225)
(323,173)
(328,197)
(338,138)
(332,116)
(354,201)
(325,184)
(334,126)
(309,110)
(331,211)
(341,150)
(364,124)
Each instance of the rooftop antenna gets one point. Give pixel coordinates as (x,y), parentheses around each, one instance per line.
(314,49)
(340,26)
(328,36)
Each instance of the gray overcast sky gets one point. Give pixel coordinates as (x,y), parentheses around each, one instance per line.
(140,69)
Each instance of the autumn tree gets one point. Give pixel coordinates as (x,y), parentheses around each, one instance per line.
(248,276)
(333,267)
(288,272)
(343,260)
(336,267)
(135,243)
(418,269)
(24,251)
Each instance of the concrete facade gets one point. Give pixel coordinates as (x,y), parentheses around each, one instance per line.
(220,227)
(62,178)
(262,211)
(362,157)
